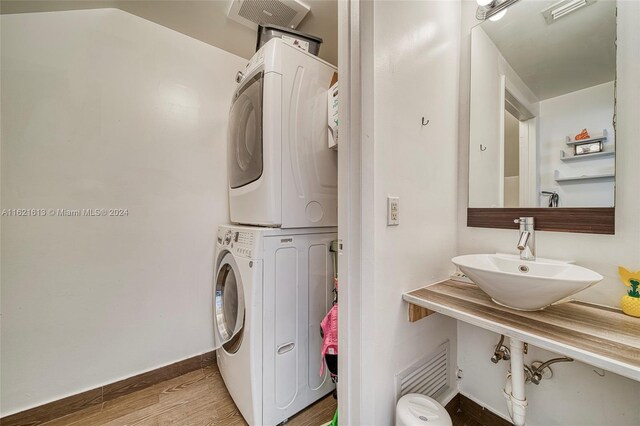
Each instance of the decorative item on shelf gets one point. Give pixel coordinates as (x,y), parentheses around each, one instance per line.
(630,303)
(588,148)
(580,138)
(582,135)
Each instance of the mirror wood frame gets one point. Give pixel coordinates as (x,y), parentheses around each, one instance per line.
(585,220)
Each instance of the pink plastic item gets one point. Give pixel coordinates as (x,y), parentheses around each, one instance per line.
(330,330)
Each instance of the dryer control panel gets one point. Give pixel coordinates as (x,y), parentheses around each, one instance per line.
(255,61)
(239,242)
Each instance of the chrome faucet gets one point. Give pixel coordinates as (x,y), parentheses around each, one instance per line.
(527,240)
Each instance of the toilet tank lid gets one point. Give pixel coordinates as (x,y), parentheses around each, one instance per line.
(417,409)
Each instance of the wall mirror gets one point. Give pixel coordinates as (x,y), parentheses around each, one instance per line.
(542,116)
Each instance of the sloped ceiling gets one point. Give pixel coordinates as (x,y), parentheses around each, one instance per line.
(205,20)
(576,52)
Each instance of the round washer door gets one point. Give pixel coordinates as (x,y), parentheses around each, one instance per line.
(228,305)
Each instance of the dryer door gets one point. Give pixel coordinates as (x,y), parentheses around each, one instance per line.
(228,305)
(244,150)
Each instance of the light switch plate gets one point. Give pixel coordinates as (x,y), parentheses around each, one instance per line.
(393,211)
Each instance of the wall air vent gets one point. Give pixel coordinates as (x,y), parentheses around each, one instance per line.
(428,376)
(285,13)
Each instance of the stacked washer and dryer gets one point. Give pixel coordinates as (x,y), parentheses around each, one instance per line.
(274,273)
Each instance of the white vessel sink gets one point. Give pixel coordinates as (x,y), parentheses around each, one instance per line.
(524,284)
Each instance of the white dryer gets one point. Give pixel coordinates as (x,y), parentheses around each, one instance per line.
(281,173)
(277,285)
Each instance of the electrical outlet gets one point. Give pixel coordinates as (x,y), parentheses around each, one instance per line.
(393,211)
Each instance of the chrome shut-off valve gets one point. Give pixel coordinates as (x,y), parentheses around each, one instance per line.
(541,370)
(501,352)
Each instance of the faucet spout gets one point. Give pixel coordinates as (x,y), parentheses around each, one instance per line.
(526,241)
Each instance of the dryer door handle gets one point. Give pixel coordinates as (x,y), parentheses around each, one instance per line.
(287,347)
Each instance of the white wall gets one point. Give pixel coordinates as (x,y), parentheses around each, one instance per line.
(577,395)
(415,74)
(101,109)
(567,115)
(573,397)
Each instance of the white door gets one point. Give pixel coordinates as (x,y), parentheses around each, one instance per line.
(245,153)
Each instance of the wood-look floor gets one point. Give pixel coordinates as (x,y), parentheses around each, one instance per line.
(465,412)
(196,398)
(200,398)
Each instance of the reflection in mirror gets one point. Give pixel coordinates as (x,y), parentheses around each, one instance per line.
(543,106)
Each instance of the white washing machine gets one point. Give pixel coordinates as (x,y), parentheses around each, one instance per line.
(281,172)
(272,289)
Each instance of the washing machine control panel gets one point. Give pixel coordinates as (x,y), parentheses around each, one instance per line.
(241,243)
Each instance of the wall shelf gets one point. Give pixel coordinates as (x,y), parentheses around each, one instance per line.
(601,138)
(599,336)
(603,154)
(558,178)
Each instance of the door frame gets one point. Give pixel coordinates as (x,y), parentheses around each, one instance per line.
(501,140)
(528,176)
(528,163)
(355,230)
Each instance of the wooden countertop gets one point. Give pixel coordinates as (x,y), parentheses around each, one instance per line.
(599,336)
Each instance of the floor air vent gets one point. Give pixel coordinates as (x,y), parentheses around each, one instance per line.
(428,376)
(285,13)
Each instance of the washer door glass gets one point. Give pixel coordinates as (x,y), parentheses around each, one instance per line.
(229,308)
(245,134)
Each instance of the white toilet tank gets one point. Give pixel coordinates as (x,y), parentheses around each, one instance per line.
(419,410)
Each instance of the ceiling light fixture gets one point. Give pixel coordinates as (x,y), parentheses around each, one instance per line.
(563,8)
(494,9)
(498,16)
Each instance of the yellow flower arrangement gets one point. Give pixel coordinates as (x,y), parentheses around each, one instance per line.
(630,303)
